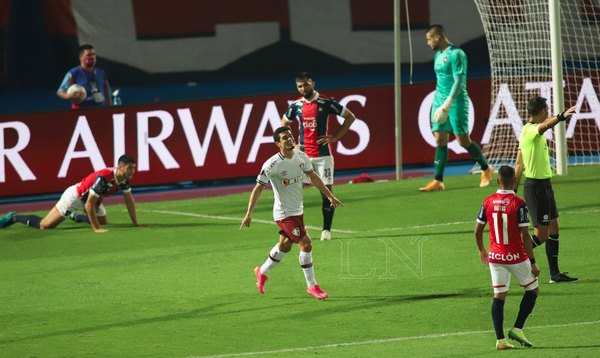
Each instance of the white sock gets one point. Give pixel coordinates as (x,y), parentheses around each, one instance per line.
(274,257)
(306,263)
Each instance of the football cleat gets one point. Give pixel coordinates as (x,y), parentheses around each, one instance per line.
(562,277)
(325,235)
(486,176)
(7,220)
(502,344)
(433,185)
(519,336)
(317,292)
(260,280)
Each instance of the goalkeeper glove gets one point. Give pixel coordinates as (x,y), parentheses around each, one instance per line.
(561,117)
(441,114)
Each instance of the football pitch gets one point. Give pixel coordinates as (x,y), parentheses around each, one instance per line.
(402,271)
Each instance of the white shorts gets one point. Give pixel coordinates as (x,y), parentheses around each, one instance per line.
(324,167)
(70,202)
(522,271)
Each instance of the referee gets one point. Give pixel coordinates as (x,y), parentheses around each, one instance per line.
(533,158)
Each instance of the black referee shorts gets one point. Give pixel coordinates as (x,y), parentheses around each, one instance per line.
(540,201)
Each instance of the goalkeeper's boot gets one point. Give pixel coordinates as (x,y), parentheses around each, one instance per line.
(317,292)
(433,185)
(486,176)
(7,220)
(502,344)
(260,280)
(517,335)
(562,277)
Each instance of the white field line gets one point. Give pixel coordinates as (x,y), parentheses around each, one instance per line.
(388,340)
(341,231)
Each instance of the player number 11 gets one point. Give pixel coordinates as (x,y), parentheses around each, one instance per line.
(504,228)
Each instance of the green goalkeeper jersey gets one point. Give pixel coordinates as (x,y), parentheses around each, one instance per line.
(450,66)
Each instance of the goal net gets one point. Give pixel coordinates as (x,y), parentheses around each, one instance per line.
(518,38)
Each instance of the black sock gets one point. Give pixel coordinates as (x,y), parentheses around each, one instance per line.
(527,304)
(81,218)
(328,211)
(552,254)
(498,317)
(29,220)
(536,241)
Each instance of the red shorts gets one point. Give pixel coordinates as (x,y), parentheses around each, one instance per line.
(292,227)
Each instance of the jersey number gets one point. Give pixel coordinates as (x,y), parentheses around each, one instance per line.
(504,228)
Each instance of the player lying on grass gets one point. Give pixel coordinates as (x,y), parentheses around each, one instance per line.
(85,196)
(284,170)
(510,252)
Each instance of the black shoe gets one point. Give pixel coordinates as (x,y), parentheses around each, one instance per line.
(562,277)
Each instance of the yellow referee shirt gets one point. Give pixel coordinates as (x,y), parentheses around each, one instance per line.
(534,152)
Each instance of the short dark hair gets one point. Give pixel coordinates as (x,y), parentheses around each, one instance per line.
(436,29)
(278,132)
(506,174)
(126,159)
(536,105)
(303,76)
(84,48)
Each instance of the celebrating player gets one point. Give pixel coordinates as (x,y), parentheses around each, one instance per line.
(510,252)
(450,111)
(284,170)
(533,159)
(313,110)
(86,195)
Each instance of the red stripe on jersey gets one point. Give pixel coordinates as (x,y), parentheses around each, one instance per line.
(309,124)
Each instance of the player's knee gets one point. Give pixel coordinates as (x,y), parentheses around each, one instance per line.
(305,244)
(285,245)
(501,295)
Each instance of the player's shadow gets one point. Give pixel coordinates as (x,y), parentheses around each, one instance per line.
(370,302)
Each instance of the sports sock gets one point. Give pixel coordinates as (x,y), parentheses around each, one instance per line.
(306,263)
(328,211)
(475,152)
(29,220)
(81,218)
(552,254)
(498,317)
(527,304)
(274,258)
(441,158)
(536,241)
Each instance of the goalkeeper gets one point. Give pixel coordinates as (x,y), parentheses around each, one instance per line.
(450,111)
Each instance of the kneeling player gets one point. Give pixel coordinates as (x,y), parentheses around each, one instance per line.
(510,252)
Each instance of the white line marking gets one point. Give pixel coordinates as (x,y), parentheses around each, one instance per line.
(388,340)
(230,218)
(340,231)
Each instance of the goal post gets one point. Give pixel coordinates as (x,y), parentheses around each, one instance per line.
(543,48)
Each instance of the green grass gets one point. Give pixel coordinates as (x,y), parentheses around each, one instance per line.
(404,279)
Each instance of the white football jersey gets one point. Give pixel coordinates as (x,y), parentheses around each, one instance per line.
(285,176)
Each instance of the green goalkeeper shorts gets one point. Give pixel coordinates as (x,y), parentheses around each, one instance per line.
(458,119)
